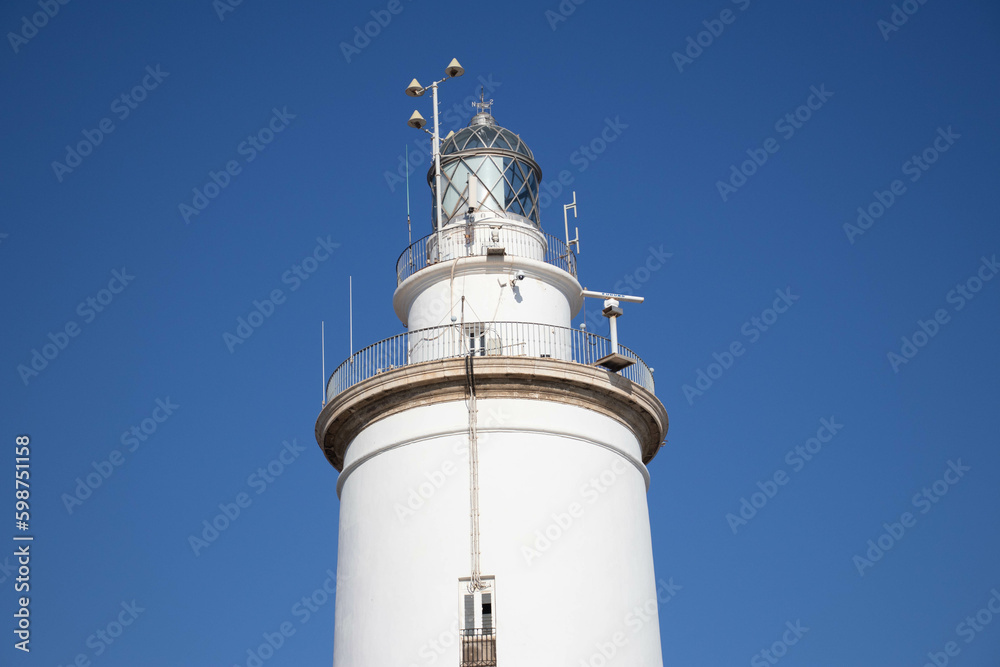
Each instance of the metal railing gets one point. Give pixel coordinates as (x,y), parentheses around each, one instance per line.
(479,648)
(488,339)
(481,239)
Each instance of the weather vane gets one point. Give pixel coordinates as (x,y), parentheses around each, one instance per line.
(483,105)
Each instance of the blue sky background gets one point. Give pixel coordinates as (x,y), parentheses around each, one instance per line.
(655,186)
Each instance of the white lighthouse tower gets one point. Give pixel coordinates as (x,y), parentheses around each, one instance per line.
(492,458)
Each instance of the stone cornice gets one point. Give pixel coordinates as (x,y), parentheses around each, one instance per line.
(444,380)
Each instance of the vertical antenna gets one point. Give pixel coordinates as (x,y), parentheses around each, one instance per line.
(322,336)
(575,241)
(409,233)
(350,309)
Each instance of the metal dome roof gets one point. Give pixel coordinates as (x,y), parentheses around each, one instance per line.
(483,132)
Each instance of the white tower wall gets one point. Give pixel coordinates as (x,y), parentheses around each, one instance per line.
(565,532)
(487,299)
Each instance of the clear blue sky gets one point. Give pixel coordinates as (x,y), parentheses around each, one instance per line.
(185,279)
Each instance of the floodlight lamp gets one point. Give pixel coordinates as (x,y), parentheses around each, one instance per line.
(416,120)
(414,89)
(454,69)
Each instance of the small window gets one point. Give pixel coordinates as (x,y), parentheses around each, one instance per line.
(482,341)
(470,614)
(477,341)
(487,613)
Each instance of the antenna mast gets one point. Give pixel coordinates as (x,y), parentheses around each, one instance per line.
(409,232)
(350,310)
(575,241)
(322,336)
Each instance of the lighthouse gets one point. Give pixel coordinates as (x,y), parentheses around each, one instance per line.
(492,458)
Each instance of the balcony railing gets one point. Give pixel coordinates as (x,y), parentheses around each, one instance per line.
(492,339)
(481,239)
(479,648)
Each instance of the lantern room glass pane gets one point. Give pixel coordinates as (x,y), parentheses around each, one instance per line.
(488,135)
(473,142)
(470,138)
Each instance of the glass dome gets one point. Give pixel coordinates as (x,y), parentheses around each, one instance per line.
(483,132)
(487,167)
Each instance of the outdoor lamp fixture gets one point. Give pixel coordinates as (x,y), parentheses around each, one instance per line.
(417,121)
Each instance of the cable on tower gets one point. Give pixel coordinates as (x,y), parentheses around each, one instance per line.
(476,583)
